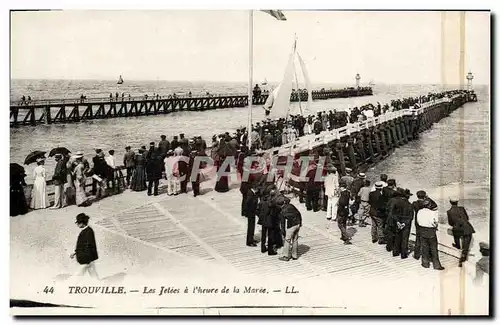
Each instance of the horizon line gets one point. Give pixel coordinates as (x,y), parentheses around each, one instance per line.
(244,82)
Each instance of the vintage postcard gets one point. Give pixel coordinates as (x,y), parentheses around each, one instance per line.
(249,162)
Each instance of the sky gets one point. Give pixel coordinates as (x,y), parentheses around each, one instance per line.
(384,47)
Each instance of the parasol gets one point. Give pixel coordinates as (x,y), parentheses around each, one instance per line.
(61,150)
(32,157)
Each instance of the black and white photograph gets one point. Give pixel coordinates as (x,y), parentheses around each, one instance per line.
(250,162)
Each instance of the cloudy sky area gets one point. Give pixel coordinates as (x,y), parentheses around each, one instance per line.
(387,47)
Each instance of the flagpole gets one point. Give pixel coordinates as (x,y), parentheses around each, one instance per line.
(250,75)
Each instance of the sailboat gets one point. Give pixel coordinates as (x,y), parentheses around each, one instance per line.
(120,80)
(277,104)
(371,83)
(264,83)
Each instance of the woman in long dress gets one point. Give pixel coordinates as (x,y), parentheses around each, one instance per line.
(79,173)
(18,204)
(39,197)
(69,186)
(139,177)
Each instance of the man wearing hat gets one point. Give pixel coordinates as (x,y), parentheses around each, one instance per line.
(347,179)
(377,203)
(402,212)
(291,222)
(331,184)
(175,143)
(164,146)
(129,163)
(86,248)
(250,211)
(343,213)
(356,186)
(461,228)
(383,180)
(59,179)
(427,220)
(423,201)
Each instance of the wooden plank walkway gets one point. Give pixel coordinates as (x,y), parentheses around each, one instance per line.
(209,227)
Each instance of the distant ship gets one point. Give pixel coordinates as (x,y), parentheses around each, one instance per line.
(371,83)
(264,82)
(120,80)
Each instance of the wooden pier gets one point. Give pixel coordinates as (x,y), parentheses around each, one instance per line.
(208,231)
(362,144)
(53,111)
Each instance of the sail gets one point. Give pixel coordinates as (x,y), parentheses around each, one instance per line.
(308,83)
(270,99)
(120,80)
(281,102)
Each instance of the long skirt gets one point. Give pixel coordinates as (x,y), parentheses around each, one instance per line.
(80,195)
(69,191)
(39,197)
(138,179)
(18,203)
(222,184)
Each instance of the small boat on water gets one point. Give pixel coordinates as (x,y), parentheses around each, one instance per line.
(264,83)
(120,80)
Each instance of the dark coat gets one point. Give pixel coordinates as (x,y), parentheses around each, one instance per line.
(164,146)
(377,202)
(402,210)
(290,215)
(86,248)
(251,204)
(153,167)
(60,173)
(343,204)
(356,185)
(265,213)
(459,220)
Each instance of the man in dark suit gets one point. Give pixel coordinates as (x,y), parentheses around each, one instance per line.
(195,166)
(402,213)
(153,171)
(59,179)
(391,196)
(86,248)
(129,162)
(343,214)
(251,204)
(164,146)
(377,213)
(265,220)
(462,229)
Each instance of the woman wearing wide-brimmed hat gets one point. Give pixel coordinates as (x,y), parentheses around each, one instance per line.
(39,197)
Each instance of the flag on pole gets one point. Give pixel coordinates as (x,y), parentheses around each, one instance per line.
(278,14)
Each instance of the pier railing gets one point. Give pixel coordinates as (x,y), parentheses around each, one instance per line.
(311,141)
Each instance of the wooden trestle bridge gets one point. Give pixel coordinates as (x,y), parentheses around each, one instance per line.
(51,111)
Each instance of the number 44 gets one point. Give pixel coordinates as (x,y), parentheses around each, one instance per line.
(48,290)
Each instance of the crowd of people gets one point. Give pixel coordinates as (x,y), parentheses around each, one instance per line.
(145,167)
